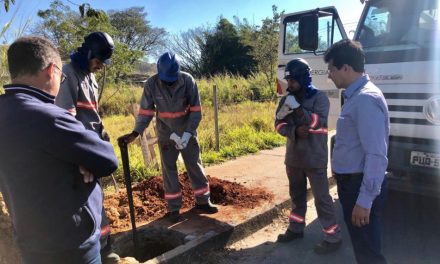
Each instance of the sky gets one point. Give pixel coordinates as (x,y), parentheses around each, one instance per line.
(177,16)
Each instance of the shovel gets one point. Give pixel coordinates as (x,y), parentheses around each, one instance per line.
(127,180)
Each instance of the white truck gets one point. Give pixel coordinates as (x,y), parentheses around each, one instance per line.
(401,40)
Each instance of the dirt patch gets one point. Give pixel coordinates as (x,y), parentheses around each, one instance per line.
(150,204)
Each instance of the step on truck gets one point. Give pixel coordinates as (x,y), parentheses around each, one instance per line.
(401,40)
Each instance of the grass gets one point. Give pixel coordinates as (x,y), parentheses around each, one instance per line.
(244,128)
(230,90)
(245,125)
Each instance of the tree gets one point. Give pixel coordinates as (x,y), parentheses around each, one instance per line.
(225,53)
(188,45)
(134,30)
(6,4)
(67,29)
(265,46)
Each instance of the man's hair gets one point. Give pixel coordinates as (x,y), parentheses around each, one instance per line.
(29,55)
(346,52)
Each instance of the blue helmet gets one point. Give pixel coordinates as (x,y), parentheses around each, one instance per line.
(100,46)
(299,70)
(168,67)
(296,69)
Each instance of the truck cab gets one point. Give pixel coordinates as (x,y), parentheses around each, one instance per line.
(401,41)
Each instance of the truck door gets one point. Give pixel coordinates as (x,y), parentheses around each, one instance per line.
(330,30)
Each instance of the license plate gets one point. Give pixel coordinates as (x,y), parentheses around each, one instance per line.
(425,159)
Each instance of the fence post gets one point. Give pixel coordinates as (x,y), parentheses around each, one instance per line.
(147,142)
(217,136)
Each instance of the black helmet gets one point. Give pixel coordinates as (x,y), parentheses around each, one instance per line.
(168,67)
(101,46)
(296,68)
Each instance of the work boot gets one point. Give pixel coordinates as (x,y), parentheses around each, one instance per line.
(208,208)
(289,236)
(107,254)
(325,247)
(110,258)
(174,217)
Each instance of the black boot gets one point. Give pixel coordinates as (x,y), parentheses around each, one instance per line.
(325,247)
(174,217)
(289,236)
(107,254)
(208,208)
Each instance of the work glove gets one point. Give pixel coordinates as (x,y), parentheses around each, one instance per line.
(185,139)
(289,105)
(128,138)
(174,137)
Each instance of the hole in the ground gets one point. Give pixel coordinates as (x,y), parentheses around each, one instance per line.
(152,243)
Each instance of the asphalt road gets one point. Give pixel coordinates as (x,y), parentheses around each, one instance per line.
(411,234)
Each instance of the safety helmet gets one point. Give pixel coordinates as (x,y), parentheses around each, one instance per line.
(296,68)
(168,67)
(100,46)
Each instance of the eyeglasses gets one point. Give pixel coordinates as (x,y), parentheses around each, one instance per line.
(63,76)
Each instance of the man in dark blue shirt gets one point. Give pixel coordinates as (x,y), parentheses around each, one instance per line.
(49,163)
(360,152)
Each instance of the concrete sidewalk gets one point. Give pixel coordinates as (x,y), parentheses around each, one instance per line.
(198,233)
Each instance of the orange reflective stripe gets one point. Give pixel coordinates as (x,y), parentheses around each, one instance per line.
(296,218)
(172,114)
(171,196)
(86,105)
(146,112)
(279,126)
(331,230)
(314,122)
(322,130)
(201,191)
(105,230)
(195,108)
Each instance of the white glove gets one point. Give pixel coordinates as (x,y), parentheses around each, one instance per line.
(185,139)
(289,105)
(174,137)
(291,102)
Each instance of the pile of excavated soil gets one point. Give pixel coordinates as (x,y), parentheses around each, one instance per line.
(149,202)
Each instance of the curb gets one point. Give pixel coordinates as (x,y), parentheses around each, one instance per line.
(212,240)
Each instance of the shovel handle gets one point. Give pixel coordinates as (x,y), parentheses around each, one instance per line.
(127,180)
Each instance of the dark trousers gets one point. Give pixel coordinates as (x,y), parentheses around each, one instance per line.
(79,256)
(366,240)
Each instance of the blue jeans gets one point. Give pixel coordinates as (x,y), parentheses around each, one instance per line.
(366,240)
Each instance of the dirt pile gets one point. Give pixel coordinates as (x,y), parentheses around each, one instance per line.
(149,202)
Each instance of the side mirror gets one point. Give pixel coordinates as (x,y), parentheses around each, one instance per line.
(308,32)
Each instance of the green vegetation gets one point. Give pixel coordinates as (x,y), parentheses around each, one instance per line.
(117,98)
(217,56)
(244,128)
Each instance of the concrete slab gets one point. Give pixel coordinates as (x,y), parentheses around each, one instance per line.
(203,232)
